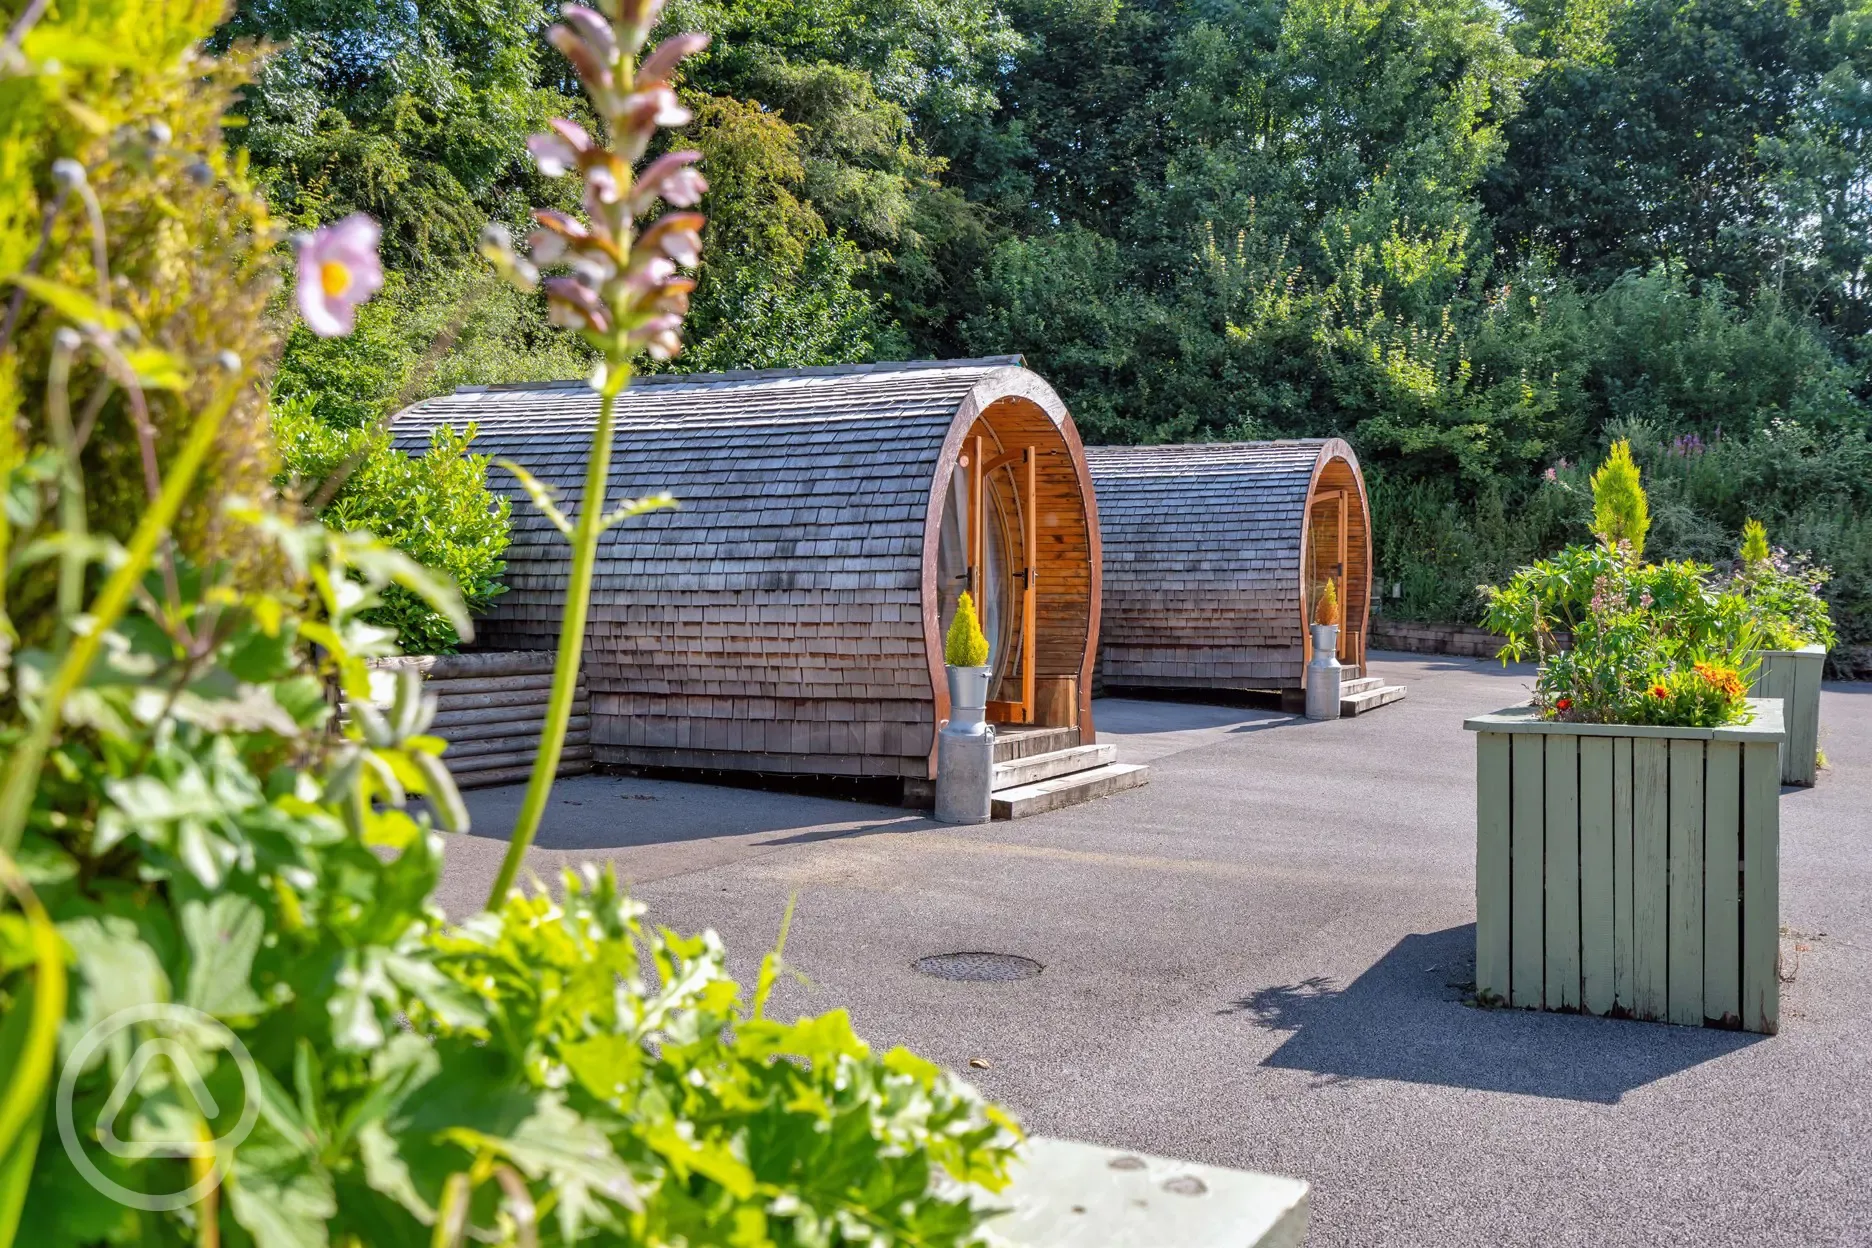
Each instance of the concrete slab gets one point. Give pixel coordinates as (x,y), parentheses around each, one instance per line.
(1259,961)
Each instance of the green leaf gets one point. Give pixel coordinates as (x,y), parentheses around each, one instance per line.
(156,369)
(113,969)
(633,507)
(278,1195)
(70,302)
(223,935)
(386,1171)
(449,1001)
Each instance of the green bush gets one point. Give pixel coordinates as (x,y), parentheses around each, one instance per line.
(422,337)
(1621,641)
(436,508)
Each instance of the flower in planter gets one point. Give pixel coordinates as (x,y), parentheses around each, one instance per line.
(966,646)
(1621,641)
(1783,593)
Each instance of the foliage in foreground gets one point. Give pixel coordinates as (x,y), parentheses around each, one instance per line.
(182,822)
(551,1060)
(436,508)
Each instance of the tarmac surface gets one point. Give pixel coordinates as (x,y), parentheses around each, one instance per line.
(1259,960)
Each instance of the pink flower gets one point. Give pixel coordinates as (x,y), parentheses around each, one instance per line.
(671,178)
(587,41)
(660,64)
(571,304)
(338,270)
(678,236)
(657,106)
(559,153)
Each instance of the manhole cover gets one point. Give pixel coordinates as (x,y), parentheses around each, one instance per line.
(978,967)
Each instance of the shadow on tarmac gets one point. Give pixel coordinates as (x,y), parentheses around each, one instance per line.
(1411,1018)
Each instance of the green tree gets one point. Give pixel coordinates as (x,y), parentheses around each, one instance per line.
(1725,136)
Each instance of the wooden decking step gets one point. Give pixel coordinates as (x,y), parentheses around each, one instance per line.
(1013,742)
(1368,699)
(1355,685)
(1067,790)
(1037,767)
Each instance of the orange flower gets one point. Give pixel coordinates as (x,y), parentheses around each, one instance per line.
(1724,679)
(1564,705)
(1659,692)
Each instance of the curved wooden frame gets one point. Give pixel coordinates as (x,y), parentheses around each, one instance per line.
(1331,450)
(1012,386)
(1206,550)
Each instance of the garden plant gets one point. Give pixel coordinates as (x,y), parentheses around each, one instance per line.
(1782,590)
(201,856)
(1620,641)
(965,645)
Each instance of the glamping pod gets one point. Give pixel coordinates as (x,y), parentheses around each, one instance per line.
(788,615)
(1215,558)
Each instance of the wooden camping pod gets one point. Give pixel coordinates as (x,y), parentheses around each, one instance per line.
(789,614)
(1215,555)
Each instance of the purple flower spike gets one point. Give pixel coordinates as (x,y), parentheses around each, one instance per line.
(671,178)
(338,270)
(660,64)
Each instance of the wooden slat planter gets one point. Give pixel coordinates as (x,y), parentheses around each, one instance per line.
(1793,676)
(1630,871)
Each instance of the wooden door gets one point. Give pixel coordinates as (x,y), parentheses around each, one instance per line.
(1020,464)
(1326,561)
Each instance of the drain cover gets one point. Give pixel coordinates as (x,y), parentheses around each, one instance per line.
(978,967)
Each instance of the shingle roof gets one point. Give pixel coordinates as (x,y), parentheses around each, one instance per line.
(1229,510)
(785,479)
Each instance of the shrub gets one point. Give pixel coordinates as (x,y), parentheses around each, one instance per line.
(1646,643)
(437,508)
(1621,515)
(965,646)
(1327,612)
(423,336)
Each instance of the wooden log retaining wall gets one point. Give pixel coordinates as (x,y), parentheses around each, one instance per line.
(491,709)
(1630,871)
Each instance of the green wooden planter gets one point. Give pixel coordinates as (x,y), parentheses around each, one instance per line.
(1794,677)
(1630,871)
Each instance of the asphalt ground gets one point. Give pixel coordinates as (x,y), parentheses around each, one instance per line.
(1259,960)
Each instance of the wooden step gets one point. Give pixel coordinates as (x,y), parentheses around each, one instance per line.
(1369,700)
(1351,686)
(1080,786)
(1012,741)
(1038,767)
